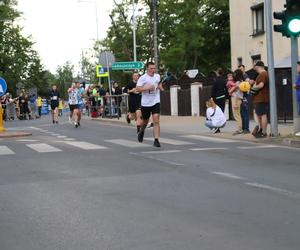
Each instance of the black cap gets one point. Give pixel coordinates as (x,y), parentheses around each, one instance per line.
(259,64)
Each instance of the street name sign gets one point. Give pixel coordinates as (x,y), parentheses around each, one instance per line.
(3,87)
(127,65)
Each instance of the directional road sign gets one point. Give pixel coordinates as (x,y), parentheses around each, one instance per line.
(3,87)
(127,65)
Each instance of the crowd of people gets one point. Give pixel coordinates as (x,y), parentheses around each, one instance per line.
(22,107)
(239,86)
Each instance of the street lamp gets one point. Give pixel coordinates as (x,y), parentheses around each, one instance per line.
(134,32)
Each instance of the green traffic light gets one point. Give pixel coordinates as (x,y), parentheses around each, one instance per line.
(294,25)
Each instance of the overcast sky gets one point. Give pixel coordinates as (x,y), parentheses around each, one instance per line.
(62,28)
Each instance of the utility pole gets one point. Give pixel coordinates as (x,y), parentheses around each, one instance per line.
(295,58)
(155,38)
(270,51)
(134,32)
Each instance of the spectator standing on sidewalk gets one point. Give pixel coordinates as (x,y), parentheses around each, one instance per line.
(219,91)
(261,100)
(39,104)
(233,81)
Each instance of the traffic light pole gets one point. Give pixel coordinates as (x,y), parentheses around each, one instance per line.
(272,85)
(295,58)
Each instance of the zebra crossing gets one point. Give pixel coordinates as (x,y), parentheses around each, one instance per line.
(189,143)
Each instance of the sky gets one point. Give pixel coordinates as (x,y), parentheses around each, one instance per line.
(62,29)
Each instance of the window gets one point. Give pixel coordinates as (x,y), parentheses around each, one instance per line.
(255,58)
(258,19)
(239,61)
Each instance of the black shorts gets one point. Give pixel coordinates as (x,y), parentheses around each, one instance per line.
(134,103)
(147,111)
(54,105)
(261,108)
(73,107)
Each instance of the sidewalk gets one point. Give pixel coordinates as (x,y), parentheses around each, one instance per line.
(195,125)
(12,134)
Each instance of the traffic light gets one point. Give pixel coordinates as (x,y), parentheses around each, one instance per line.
(293,17)
(290,18)
(281,28)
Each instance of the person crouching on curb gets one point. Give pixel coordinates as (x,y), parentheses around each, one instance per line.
(215,118)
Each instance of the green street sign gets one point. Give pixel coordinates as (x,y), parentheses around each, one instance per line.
(127,65)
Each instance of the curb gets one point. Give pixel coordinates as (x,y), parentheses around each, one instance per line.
(291,142)
(14,134)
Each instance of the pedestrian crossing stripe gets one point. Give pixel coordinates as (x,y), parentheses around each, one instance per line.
(171,141)
(4,150)
(43,148)
(128,143)
(208,139)
(84,145)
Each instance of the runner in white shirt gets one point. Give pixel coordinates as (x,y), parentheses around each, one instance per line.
(150,86)
(73,104)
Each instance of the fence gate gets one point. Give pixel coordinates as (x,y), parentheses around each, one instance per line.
(184,102)
(165,102)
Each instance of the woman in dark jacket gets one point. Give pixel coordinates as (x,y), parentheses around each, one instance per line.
(219,90)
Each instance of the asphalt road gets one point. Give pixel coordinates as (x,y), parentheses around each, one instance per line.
(96,188)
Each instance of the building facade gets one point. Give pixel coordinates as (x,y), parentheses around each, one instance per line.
(248,34)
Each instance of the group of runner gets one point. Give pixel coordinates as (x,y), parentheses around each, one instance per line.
(75,100)
(144,102)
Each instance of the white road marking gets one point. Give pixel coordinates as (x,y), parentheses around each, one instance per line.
(69,139)
(259,146)
(61,136)
(274,189)
(84,145)
(229,175)
(158,159)
(55,134)
(208,139)
(127,143)
(207,149)
(27,140)
(171,141)
(43,148)
(4,150)
(161,152)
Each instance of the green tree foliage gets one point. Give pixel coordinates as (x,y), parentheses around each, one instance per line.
(193,34)
(19,62)
(64,77)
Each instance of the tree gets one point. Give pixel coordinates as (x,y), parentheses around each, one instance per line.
(19,62)
(64,78)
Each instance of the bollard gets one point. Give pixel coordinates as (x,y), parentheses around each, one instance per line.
(2,129)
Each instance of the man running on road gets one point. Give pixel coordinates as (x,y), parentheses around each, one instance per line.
(54,102)
(134,102)
(74,105)
(150,86)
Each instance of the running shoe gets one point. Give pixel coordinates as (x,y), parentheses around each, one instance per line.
(141,136)
(127,119)
(151,125)
(255,130)
(53,121)
(156,144)
(76,125)
(217,131)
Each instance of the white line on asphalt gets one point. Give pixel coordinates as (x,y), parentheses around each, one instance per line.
(84,145)
(4,150)
(127,143)
(55,134)
(157,159)
(69,139)
(259,146)
(27,140)
(43,148)
(161,152)
(61,136)
(171,141)
(229,175)
(207,149)
(208,139)
(274,189)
